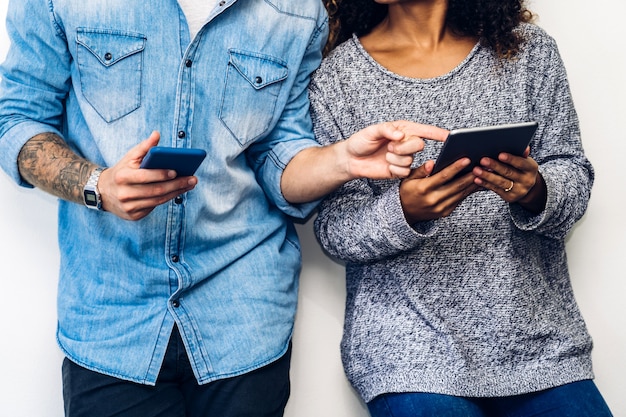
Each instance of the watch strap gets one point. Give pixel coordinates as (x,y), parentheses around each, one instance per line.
(91,194)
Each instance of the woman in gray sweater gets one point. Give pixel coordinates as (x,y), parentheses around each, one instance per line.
(459,300)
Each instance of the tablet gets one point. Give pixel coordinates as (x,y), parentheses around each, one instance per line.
(478,142)
(185,161)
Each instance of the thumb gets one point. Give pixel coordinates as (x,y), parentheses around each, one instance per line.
(139,151)
(422,171)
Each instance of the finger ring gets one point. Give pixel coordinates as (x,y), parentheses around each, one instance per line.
(506,190)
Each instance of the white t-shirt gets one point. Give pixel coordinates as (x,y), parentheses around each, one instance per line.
(196,12)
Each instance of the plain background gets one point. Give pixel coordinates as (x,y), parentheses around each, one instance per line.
(590,36)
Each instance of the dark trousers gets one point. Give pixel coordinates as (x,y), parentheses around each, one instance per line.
(261,393)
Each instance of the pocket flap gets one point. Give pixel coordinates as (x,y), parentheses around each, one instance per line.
(110,47)
(258,69)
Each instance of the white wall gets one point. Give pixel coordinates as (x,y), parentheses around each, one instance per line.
(590,36)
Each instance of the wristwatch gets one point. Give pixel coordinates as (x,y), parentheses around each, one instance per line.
(91,195)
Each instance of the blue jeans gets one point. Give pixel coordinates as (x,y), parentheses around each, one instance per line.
(260,393)
(578,399)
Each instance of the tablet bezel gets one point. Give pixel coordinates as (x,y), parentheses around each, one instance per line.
(486,141)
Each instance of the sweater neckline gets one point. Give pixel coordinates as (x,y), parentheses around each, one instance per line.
(376,64)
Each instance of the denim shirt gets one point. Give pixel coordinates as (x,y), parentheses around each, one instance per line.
(220,261)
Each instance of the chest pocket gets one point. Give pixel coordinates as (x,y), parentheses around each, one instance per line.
(251,91)
(110,65)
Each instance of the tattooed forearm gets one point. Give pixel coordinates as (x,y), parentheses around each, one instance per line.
(48,163)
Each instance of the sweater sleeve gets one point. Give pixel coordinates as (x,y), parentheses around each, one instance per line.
(363,221)
(557,148)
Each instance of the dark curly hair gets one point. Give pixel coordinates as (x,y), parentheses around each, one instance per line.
(492,21)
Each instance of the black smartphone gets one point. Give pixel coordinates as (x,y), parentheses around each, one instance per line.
(185,161)
(478,142)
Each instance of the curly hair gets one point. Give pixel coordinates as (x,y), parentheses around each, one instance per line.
(492,21)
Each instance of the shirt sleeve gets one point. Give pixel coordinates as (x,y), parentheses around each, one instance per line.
(294,131)
(35,81)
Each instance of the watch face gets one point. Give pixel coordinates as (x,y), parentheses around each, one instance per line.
(90,198)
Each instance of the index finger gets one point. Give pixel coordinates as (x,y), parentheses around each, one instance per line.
(421,130)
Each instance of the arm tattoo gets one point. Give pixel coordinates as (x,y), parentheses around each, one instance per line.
(48,163)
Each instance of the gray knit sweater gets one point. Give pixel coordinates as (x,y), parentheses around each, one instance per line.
(478,303)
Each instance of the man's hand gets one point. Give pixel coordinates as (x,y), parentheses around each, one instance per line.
(381,151)
(386,150)
(132,193)
(47,162)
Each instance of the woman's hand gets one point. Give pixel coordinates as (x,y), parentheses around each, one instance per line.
(516,179)
(425,197)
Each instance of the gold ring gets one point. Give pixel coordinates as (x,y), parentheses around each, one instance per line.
(506,190)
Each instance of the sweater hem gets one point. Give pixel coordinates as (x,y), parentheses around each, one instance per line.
(487,382)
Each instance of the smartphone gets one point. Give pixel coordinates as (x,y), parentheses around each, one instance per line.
(185,161)
(478,142)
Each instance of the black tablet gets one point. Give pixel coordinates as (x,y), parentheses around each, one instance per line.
(489,141)
(185,161)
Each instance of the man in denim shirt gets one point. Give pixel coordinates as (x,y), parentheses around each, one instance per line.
(177,295)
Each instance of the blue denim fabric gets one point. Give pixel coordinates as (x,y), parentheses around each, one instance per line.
(577,399)
(223,261)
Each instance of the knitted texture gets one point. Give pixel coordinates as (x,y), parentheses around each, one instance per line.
(478,303)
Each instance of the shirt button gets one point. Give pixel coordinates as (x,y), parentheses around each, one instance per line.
(175,304)
(181,135)
(188,63)
(175,258)
(258,80)
(178,200)
(108,56)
